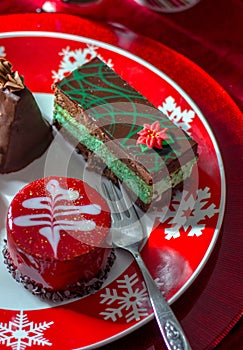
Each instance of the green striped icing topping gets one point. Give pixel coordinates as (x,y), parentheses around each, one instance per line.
(95,84)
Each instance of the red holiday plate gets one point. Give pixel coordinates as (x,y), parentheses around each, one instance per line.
(183,235)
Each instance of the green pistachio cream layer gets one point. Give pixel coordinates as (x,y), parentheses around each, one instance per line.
(93,97)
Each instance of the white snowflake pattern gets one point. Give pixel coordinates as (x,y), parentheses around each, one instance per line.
(174,112)
(2,51)
(72,59)
(188,213)
(132,302)
(21,333)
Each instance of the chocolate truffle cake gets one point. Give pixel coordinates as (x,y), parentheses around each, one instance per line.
(121,134)
(24,134)
(57,238)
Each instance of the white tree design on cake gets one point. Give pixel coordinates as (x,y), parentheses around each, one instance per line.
(20,333)
(72,59)
(188,212)
(55,219)
(182,119)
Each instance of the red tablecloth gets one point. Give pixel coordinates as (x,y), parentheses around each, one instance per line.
(210,34)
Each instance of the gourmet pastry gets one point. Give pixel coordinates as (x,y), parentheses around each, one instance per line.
(58,238)
(24,134)
(121,134)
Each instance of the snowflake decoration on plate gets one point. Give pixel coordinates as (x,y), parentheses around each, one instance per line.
(21,333)
(2,51)
(181,118)
(129,300)
(72,59)
(188,213)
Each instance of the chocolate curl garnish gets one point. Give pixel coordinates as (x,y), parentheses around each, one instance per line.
(8,79)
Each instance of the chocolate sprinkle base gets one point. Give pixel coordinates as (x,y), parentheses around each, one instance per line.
(77,290)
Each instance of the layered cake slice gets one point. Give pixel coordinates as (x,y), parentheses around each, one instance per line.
(58,238)
(24,134)
(121,134)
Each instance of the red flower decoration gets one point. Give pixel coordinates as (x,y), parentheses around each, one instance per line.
(152,135)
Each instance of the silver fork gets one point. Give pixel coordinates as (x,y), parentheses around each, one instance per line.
(128,234)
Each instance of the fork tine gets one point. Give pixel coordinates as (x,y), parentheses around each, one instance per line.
(122,208)
(105,191)
(114,200)
(129,204)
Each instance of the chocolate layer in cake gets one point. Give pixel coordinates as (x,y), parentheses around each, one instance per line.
(103,116)
(24,134)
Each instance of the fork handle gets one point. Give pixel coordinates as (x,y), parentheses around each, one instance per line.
(169,326)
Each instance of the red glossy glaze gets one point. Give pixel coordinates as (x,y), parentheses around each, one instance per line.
(57,229)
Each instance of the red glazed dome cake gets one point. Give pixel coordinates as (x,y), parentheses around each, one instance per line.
(58,238)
